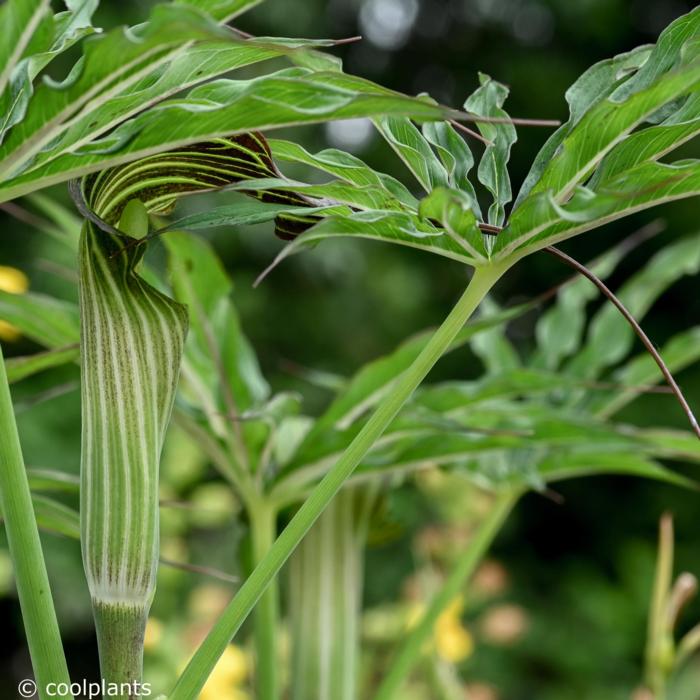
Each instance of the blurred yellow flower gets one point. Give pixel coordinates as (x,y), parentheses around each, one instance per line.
(231,671)
(154,633)
(453,641)
(13,281)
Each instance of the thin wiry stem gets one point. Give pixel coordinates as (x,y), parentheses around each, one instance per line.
(470,132)
(197,569)
(604,289)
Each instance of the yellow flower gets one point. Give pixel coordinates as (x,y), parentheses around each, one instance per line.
(154,633)
(12,281)
(453,641)
(230,672)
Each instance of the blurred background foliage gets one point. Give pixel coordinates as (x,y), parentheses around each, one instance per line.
(558,611)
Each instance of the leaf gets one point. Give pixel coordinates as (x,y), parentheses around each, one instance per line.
(387,226)
(244,213)
(55,34)
(342,420)
(492,346)
(193,64)
(19,368)
(19,19)
(331,193)
(52,480)
(559,330)
(43,319)
(539,221)
(111,63)
(221,10)
(487,101)
(218,355)
(222,108)
(610,338)
(56,517)
(661,79)
(679,352)
(594,84)
(653,142)
(578,464)
(413,149)
(456,158)
(344,166)
(451,209)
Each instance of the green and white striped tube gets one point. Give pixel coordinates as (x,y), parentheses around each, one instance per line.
(325,597)
(132,339)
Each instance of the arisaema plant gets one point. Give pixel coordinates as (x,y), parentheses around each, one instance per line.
(98,124)
(525,422)
(133,93)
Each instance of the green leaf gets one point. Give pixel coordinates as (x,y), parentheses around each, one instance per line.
(55,34)
(386,226)
(221,366)
(56,517)
(19,19)
(577,464)
(111,63)
(492,346)
(221,10)
(343,419)
(19,368)
(594,84)
(193,64)
(653,142)
(414,150)
(243,213)
(679,352)
(540,221)
(52,480)
(344,166)
(43,319)
(451,209)
(456,157)
(663,78)
(610,338)
(559,330)
(222,108)
(487,101)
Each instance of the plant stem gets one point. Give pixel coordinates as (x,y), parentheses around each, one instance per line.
(659,651)
(206,656)
(120,631)
(410,650)
(40,624)
(263,530)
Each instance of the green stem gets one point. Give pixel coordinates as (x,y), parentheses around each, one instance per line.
(410,650)
(209,652)
(40,624)
(120,631)
(263,530)
(659,651)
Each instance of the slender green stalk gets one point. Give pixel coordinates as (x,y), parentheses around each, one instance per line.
(40,624)
(410,650)
(120,632)
(659,651)
(325,587)
(263,531)
(206,656)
